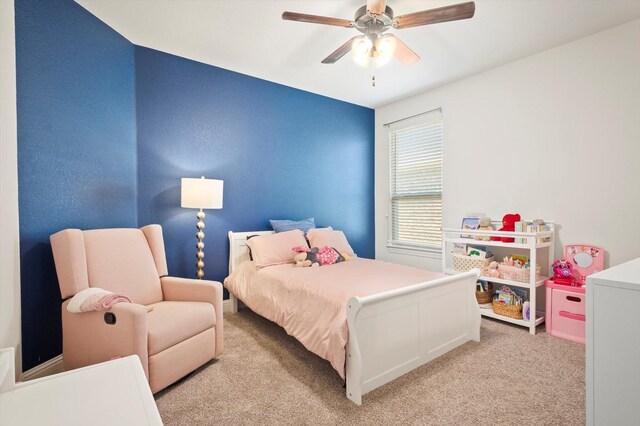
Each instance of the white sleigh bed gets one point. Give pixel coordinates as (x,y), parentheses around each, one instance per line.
(393,332)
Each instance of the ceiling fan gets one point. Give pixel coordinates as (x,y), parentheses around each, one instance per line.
(373,20)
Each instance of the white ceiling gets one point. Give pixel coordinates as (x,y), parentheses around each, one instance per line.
(249,36)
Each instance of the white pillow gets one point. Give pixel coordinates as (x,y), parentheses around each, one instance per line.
(275,249)
(319,237)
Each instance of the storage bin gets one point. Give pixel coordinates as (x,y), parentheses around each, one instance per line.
(511,311)
(516,274)
(485,296)
(463,263)
(565,317)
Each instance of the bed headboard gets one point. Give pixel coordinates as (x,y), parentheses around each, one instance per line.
(238,249)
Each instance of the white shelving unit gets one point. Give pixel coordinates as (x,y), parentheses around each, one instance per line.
(538,253)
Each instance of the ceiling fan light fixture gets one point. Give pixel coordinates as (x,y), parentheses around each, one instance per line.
(384,49)
(372,20)
(361,50)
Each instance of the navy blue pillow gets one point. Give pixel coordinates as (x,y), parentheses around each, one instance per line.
(288,225)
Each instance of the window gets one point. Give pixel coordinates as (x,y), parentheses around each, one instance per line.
(416,181)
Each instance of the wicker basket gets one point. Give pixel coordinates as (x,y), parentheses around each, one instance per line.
(484,297)
(463,263)
(516,274)
(511,311)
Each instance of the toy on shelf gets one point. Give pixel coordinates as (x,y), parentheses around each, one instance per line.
(508,224)
(492,270)
(516,268)
(484,225)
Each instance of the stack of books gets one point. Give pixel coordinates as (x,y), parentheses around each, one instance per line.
(537,225)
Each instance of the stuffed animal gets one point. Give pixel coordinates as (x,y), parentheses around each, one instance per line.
(328,256)
(484,225)
(315,256)
(508,224)
(305,256)
(492,271)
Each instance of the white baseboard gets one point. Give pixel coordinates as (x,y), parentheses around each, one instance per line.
(53,366)
(226,305)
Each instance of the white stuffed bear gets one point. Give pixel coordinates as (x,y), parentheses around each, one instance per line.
(484,225)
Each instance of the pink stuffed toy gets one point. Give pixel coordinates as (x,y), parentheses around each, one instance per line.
(316,256)
(328,256)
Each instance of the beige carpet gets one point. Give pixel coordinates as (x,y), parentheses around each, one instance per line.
(267,377)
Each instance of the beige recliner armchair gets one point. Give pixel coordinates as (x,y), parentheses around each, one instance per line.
(174,324)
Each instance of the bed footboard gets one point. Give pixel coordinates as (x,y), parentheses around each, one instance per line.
(392,333)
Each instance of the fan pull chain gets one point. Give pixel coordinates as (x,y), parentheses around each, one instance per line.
(373,72)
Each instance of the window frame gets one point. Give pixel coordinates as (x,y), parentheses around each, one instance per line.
(408,247)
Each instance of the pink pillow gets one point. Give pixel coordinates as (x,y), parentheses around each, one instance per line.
(275,249)
(319,237)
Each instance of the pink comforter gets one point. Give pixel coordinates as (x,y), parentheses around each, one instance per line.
(310,303)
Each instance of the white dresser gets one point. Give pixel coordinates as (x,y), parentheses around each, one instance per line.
(613,346)
(110,393)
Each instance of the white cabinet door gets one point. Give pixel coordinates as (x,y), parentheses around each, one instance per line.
(616,356)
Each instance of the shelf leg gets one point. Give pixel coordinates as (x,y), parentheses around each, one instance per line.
(533,290)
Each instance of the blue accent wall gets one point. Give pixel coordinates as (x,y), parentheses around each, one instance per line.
(76,147)
(106,130)
(283,154)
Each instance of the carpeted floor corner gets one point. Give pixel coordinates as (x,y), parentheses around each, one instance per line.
(266,377)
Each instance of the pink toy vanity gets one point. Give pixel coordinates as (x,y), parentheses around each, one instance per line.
(565,316)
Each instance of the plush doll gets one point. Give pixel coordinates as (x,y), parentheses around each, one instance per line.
(508,224)
(484,225)
(492,271)
(305,256)
(328,256)
(315,256)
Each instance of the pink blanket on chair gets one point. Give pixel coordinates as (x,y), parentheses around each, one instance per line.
(95,299)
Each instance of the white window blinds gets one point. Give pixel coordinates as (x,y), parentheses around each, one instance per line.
(416,180)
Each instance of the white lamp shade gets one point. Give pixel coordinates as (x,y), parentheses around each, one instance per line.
(201,193)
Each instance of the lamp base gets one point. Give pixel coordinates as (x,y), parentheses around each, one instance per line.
(200,245)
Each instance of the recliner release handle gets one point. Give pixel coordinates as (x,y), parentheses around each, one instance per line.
(110,318)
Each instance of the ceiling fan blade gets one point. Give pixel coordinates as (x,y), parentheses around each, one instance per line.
(315,19)
(403,53)
(339,52)
(376,6)
(435,16)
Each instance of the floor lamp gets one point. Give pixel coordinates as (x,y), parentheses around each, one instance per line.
(201,194)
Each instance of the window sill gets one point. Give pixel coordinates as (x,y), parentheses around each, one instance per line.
(429,252)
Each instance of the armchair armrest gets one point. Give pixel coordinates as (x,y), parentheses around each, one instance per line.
(193,290)
(88,339)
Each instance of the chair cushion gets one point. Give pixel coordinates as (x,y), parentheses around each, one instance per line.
(120,260)
(169,323)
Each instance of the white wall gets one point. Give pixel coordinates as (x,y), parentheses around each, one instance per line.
(9,242)
(555,135)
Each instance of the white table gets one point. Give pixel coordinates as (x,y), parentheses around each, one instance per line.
(111,393)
